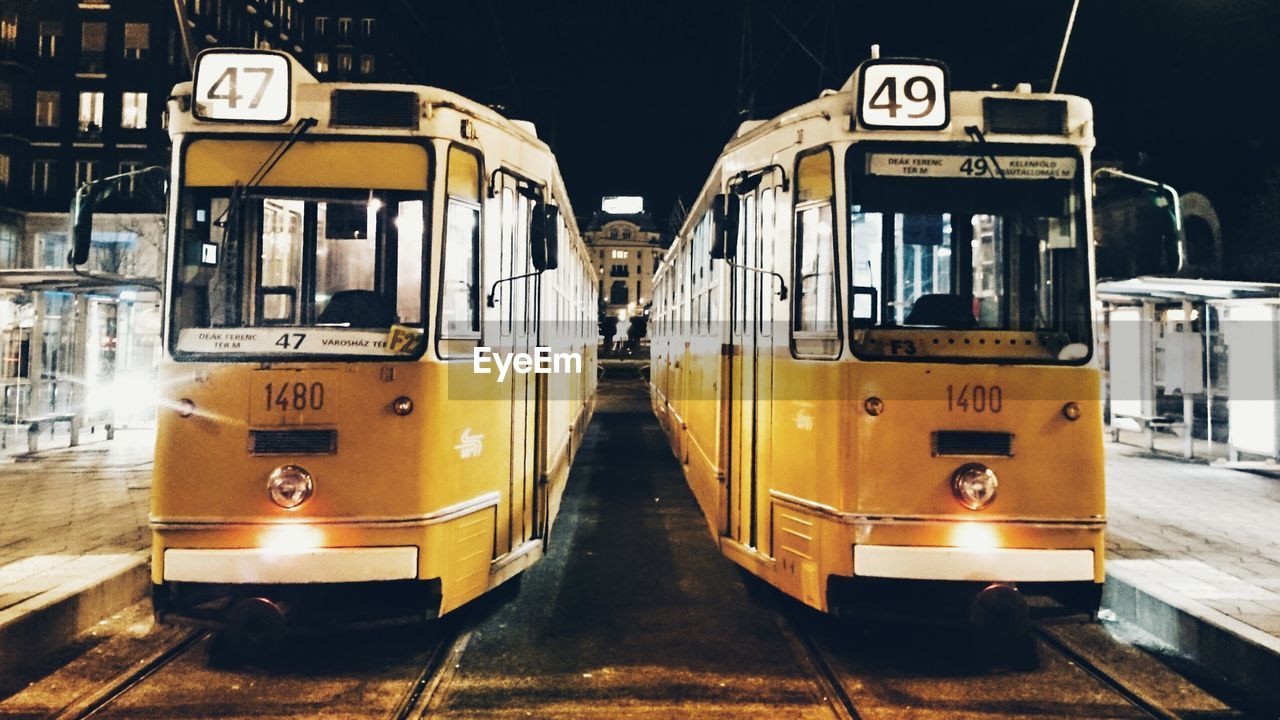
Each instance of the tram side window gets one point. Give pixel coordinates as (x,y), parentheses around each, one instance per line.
(460,279)
(814,309)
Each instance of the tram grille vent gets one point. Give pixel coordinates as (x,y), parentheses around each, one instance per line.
(374,108)
(972,442)
(293,442)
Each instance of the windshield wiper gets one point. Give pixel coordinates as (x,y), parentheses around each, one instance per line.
(239,191)
(976,135)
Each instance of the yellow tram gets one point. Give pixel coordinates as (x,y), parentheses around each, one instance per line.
(340,255)
(873,349)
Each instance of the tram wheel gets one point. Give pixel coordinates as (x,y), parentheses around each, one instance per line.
(255,630)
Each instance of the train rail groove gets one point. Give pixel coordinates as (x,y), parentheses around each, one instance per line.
(1135,697)
(88,705)
(808,654)
(426,691)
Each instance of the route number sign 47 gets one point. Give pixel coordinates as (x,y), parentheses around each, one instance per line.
(242,86)
(903,94)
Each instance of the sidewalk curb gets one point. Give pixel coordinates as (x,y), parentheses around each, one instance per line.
(1230,651)
(38,626)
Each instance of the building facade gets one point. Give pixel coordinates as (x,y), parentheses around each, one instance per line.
(628,249)
(83,89)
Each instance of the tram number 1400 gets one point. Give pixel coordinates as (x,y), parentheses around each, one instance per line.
(975,398)
(295,396)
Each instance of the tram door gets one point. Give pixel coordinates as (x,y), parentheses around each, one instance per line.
(751,382)
(519,330)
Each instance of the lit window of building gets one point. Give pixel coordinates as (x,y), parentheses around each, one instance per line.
(129,185)
(86,171)
(42,177)
(619,254)
(8,30)
(50,35)
(344,63)
(344,28)
(137,40)
(322,26)
(93,37)
(90,112)
(6,101)
(367,27)
(4,170)
(133,113)
(366,64)
(322,63)
(48,108)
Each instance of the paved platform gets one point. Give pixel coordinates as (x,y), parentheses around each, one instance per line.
(73,538)
(1194,560)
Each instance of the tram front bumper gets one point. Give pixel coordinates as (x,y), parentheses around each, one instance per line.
(973,564)
(271,566)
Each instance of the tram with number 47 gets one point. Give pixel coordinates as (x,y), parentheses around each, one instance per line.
(873,349)
(337,253)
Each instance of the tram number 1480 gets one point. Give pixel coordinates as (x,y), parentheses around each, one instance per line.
(295,396)
(975,398)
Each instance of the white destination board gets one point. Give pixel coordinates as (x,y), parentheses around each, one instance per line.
(1013,167)
(242,86)
(285,341)
(904,95)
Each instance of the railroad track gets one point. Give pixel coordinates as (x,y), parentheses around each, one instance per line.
(429,688)
(836,694)
(89,705)
(420,696)
(1149,706)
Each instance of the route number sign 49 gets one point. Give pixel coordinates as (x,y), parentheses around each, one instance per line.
(242,86)
(907,95)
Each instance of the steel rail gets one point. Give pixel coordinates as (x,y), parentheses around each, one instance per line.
(89,705)
(808,654)
(1151,708)
(436,673)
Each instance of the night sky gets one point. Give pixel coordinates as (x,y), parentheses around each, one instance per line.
(638,98)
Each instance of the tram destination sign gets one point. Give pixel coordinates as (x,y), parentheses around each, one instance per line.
(287,341)
(1000,167)
(242,86)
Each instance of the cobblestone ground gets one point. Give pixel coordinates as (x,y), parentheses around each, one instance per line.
(67,511)
(1210,534)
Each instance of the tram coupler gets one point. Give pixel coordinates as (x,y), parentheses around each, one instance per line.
(256,626)
(1001,623)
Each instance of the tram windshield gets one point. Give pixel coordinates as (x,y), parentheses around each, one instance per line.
(973,252)
(296,271)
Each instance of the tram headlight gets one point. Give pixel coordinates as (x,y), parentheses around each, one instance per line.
(289,486)
(1071,411)
(974,485)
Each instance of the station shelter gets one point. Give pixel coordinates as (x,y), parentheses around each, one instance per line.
(77,350)
(1193,366)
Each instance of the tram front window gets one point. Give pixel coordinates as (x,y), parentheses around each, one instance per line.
(348,262)
(942,243)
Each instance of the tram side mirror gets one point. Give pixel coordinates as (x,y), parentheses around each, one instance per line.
(864,305)
(724,245)
(544,237)
(82,207)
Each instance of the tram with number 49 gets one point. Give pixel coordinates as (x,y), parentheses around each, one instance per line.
(873,350)
(337,253)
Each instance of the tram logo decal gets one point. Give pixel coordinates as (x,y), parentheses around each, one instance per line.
(470,445)
(804,421)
